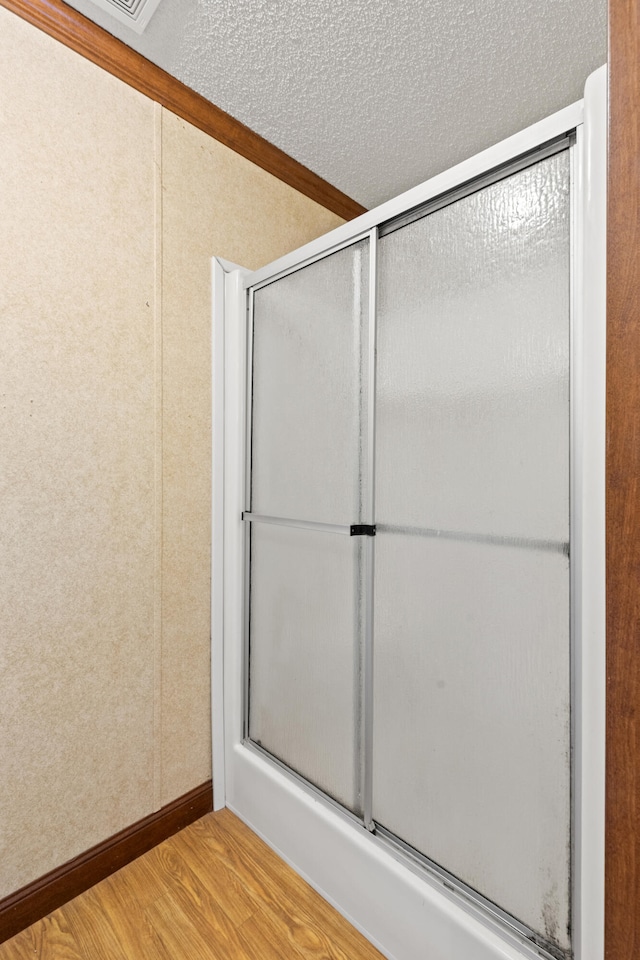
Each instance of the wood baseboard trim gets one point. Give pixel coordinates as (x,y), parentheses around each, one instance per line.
(71,28)
(39,898)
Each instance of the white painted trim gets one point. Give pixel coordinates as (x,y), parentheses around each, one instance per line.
(220,317)
(235,348)
(590,495)
(543,131)
(406,913)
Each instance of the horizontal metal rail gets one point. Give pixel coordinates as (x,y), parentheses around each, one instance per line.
(500,172)
(343,529)
(525,543)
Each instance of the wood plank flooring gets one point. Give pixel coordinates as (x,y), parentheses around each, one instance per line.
(214,890)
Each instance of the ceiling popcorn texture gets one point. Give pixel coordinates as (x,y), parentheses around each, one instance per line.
(375,97)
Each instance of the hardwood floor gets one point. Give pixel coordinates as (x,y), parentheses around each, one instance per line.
(214,890)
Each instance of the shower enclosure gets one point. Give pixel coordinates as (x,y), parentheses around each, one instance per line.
(407,589)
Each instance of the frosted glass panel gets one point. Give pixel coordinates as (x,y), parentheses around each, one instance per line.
(472,653)
(308,395)
(471,716)
(305,683)
(473,362)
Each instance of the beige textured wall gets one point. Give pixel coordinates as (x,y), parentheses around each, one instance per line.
(214,203)
(110,209)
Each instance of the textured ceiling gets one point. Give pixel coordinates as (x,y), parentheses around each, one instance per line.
(377,97)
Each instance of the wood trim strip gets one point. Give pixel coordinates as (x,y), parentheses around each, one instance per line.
(39,898)
(79,33)
(622,838)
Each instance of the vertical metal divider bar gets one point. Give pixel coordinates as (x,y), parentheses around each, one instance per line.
(576,187)
(247,506)
(370,541)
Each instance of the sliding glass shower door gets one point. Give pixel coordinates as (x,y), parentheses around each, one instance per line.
(472,672)
(429,692)
(307,490)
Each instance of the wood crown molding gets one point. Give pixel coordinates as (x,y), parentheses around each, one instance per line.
(44,895)
(71,28)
